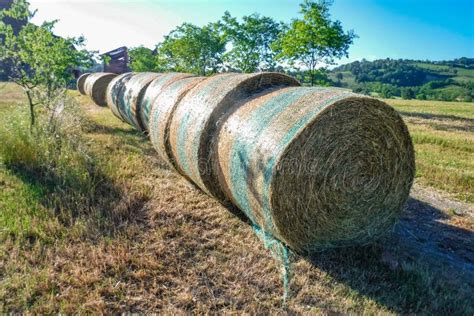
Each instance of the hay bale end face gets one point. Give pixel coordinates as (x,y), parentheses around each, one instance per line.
(96,87)
(81,81)
(115,92)
(130,105)
(317,167)
(153,91)
(162,111)
(199,115)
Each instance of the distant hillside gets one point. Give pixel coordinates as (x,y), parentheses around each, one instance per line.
(441,80)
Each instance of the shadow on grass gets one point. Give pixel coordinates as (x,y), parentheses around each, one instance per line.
(102,204)
(94,127)
(423,266)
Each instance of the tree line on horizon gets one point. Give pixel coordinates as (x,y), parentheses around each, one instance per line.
(251,44)
(410,79)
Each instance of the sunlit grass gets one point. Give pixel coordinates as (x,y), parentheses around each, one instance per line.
(444,144)
(460,109)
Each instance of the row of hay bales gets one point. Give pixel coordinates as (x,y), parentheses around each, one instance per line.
(314,167)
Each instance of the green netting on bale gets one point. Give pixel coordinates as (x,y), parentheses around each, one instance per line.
(282,254)
(317,168)
(198,118)
(115,93)
(162,111)
(133,91)
(153,92)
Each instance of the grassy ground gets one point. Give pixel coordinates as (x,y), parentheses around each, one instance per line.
(159,244)
(443,134)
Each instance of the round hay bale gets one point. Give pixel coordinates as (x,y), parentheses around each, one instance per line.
(199,115)
(133,91)
(317,167)
(115,92)
(162,111)
(81,81)
(96,85)
(153,91)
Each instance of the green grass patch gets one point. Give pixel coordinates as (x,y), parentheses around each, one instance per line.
(443,136)
(49,177)
(463,110)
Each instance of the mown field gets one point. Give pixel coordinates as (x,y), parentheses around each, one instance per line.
(143,239)
(443,134)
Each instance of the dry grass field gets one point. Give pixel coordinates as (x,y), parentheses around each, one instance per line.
(143,239)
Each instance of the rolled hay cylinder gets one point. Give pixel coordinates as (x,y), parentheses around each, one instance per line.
(317,168)
(162,111)
(81,81)
(198,117)
(115,92)
(133,91)
(154,91)
(96,85)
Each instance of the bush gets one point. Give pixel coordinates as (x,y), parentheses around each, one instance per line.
(52,157)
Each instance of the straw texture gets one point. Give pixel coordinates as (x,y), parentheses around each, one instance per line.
(115,92)
(153,91)
(81,81)
(133,91)
(96,86)
(316,167)
(199,115)
(162,111)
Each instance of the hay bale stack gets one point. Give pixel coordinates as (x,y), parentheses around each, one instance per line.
(162,111)
(198,117)
(316,167)
(153,91)
(96,85)
(133,91)
(115,92)
(81,81)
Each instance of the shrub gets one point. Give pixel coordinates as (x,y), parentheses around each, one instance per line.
(52,156)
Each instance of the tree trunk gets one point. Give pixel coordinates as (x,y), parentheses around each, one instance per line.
(32,109)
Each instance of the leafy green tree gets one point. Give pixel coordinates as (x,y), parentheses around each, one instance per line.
(314,38)
(407,93)
(41,63)
(251,42)
(142,59)
(194,49)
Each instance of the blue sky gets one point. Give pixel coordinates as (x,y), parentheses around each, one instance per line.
(415,29)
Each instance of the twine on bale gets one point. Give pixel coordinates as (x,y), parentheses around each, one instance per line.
(154,91)
(133,90)
(115,92)
(162,111)
(317,167)
(80,83)
(198,117)
(96,86)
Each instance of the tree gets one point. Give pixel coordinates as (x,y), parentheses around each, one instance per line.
(41,63)
(194,49)
(314,38)
(251,42)
(142,59)
(407,93)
